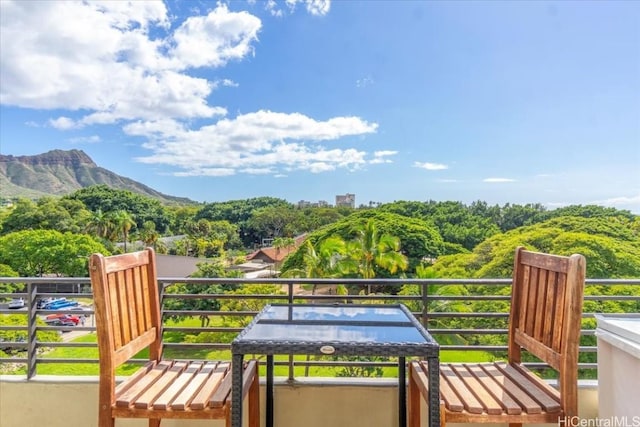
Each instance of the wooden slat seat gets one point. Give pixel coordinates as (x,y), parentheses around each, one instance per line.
(127,309)
(544,319)
(492,391)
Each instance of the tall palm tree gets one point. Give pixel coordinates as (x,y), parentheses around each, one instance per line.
(123,221)
(369,250)
(100,224)
(148,234)
(324,260)
(282,243)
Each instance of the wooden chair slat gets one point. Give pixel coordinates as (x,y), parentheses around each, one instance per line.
(185,398)
(532,388)
(541,297)
(134,378)
(559,312)
(123,312)
(142,384)
(447,393)
(530,307)
(165,399)
(146,399)
(513,390)
(201,400)
(549,309)
(468,399)
(474,378)
(133,307)
(485,373)
(222,392)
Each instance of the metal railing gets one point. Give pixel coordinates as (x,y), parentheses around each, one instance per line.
(458,330)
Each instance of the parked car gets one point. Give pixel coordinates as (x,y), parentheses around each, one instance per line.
(43,301)
(16,303)
(62,320)
(59,303)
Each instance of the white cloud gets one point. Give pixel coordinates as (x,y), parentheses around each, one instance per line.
(128,64)
(101,57)
(493,180)
(379,156)
(263,139)
(215,39)
(227,83)
(318,7)
(93,139)
(364,82)
(620,202)
(430,166)
(447,180)
(314,7)
(63,123)
(273,8)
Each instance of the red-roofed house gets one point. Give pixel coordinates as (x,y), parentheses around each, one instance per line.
(275,256)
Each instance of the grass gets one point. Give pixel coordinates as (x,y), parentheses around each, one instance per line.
(77,369)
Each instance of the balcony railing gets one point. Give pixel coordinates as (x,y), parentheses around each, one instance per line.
(432,308)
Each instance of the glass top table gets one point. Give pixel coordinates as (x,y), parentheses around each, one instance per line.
(335,329)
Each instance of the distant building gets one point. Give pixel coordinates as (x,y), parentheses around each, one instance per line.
(275,256)
(348,201)
(307,204)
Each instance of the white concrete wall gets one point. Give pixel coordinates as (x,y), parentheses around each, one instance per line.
(318,402)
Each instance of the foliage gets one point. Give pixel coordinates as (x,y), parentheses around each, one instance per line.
(370,249)
(41,252)
(21,335)
(7,271)
(248,304)
(46,213)
(418,239)
(239,212)
(456,223)
(211,269)
(141,208)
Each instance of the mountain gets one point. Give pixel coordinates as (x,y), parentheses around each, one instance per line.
(61,172)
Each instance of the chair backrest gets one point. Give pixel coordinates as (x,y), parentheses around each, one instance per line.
(546,313)
(127,308)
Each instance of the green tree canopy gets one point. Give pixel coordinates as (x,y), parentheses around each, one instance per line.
(611,248)
(110,200)
(40,252)
(418,239)
(47,213)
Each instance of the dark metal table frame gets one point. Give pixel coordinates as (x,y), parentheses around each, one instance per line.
(429,350)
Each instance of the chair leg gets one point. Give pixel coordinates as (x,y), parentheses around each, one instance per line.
(227,415)
(254,401)
(414,400)
(154,422)
(105,419)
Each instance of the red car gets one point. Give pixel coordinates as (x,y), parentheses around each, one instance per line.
(62,319)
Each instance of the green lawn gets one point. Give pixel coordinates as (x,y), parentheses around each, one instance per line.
(127,369)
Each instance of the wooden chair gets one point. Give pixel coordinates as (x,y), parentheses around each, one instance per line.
(128,319)
(545,318)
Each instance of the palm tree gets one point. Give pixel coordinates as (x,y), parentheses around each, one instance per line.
(100,224)
(282,243)
(148,234)
(123,221)
(325,260)
(369,250)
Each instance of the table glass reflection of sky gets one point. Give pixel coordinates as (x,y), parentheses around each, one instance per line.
(335,324)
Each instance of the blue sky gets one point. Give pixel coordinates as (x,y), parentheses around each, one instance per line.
(505,102)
